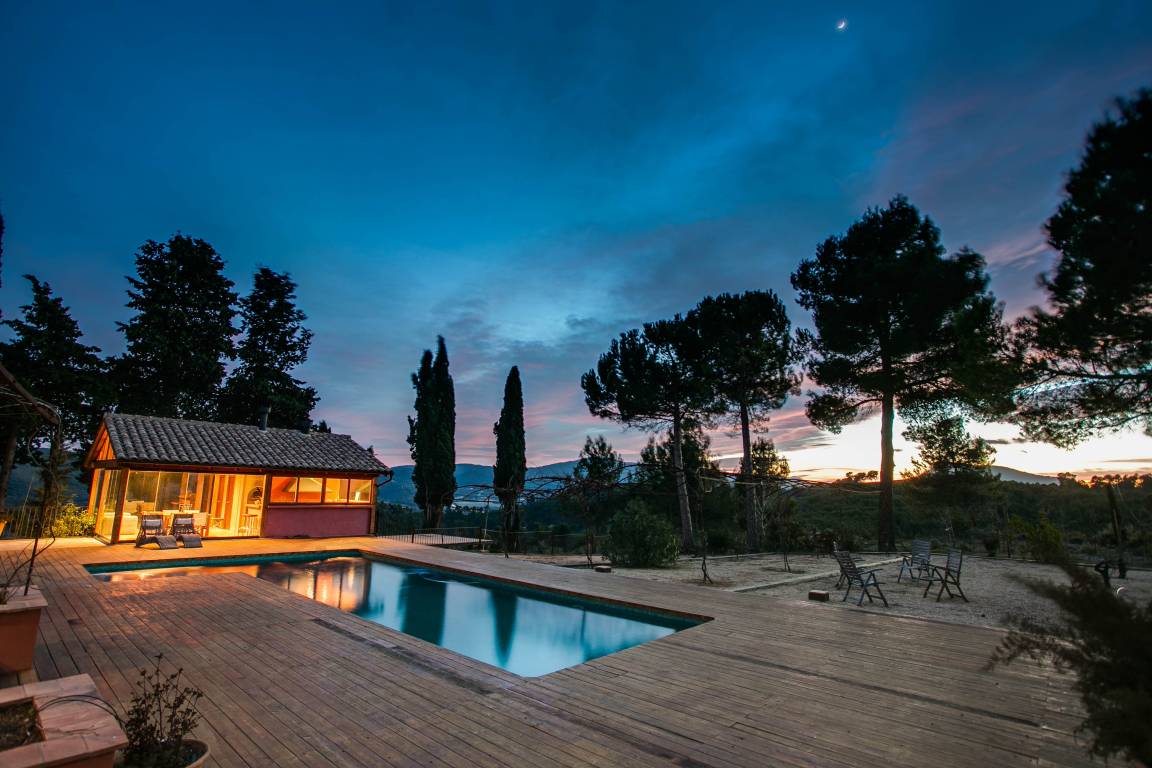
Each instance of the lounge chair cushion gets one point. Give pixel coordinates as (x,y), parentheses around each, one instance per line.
(190,540)
(166,542)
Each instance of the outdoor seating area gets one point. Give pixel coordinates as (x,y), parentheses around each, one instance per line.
(332,689)
(916,564)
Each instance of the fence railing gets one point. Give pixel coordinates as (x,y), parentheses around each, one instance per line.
(545,542)
(440,537)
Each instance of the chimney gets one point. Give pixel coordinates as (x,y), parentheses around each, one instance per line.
(262,417)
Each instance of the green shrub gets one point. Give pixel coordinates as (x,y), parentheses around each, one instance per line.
(992,544)
(639,539)
(721,541)
(1042,540)
(71,520)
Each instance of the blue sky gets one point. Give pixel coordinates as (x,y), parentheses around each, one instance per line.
(531,178)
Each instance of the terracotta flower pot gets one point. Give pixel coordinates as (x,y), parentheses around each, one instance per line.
(76,734)
(205,752)
(19,620)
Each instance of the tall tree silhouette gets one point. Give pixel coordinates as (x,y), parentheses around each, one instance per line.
(899,324)
(1090,355)
(275,342)
(432,435)
(511,464)
(655,379)
(48,357)
(181,335)
(751,363)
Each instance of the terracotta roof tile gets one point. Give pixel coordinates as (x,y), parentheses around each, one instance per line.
(155,440)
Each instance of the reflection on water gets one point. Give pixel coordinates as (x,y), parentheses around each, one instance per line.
(526,632)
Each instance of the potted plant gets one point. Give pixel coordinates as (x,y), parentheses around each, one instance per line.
(19,613)
(157,721)
(34,731)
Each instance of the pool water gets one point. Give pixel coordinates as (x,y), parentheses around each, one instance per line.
(525,631)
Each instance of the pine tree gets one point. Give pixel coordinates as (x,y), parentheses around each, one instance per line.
(1090,355)
(595,478)
(511,463)
(656,378)
(275,342)
(432,435)
(181,335)
(751,364)
(47,356)
(898,324)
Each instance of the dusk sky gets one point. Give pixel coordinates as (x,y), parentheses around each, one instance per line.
(529,179)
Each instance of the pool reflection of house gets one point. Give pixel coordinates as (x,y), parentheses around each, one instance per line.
(236,480)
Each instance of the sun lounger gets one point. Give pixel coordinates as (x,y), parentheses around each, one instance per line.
(184,530)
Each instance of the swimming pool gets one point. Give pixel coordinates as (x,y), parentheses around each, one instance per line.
(526,631)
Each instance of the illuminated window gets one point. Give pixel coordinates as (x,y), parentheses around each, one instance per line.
(360,491)
(336,490)
(308,490)
(283,490)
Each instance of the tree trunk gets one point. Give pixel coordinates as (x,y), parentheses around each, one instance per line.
(1117,531)
(687,540)
(887,533)
(751,512)
(434,516)
(7,458)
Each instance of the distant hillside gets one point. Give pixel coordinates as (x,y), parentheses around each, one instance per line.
(401,489)
(26,481)
(1019,476)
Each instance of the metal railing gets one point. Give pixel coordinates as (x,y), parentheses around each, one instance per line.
(441,537)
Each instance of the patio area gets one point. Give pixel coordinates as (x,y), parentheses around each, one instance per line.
(769,681)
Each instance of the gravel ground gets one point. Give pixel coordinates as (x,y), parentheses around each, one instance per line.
(993,593)
(991,586)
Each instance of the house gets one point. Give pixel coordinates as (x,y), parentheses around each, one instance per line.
(236,480)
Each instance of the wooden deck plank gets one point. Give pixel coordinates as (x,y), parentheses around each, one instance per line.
(765,681)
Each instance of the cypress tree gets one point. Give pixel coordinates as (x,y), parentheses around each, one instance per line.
(275,342)
(432,435)
(182,332)
(511,464)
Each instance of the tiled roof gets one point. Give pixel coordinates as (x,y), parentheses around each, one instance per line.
(155,440)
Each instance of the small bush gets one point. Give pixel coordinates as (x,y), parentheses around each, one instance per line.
(992,544)
(639,539)
(721,541)
(1042,539)
(71,520)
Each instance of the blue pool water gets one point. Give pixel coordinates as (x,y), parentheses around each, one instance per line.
(525,631)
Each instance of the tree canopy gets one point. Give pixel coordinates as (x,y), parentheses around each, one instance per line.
(181,334)
(1089,352)
(432,435)
(947,450)
(751,361)
(656,378)
(275,343)
(48,356)
(899,324)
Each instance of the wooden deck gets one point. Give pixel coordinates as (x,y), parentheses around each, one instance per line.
(767,682)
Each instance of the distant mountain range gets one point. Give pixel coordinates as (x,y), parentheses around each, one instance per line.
(468,477)
(1019,476)
(473,479)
